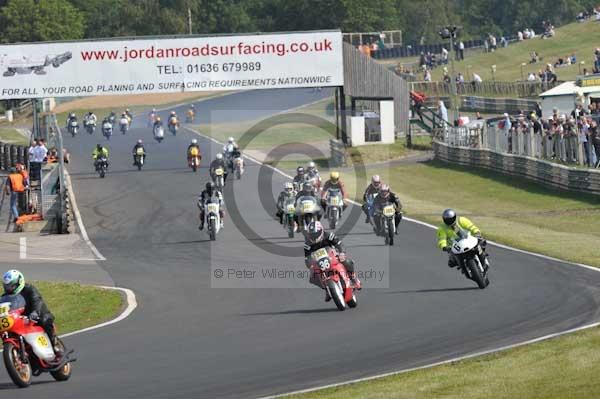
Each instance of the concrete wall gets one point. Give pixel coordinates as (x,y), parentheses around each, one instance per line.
(544,172)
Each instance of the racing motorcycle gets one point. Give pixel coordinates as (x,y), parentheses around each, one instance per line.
(219,178)
(238,166)
(190,116)
(289,211)
(159,133)
(27,350)
(139,158)
(469,251)
(213,219)
(387,224)
(107,129)
(194,159)
(173,126)
(334,277)
(102,167)
(90,127)
(307,211)
(335,206)
(124,125)
(73,127)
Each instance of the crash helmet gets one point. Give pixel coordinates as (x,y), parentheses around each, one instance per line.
(99,146)
(307,187)
(230,140)
(127,110)
(311,165)
(449,217)
(13,282)
(334,176)
(315,232)
(192,106)
(90,113)
(194,141)
(300,170)
(384,190)
(289,187)
(139,141)
(124,114)
(153,110)
(158,118)
(72,115)
(219,156)
(376,181)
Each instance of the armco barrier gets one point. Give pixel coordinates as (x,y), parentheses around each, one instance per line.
(543,172)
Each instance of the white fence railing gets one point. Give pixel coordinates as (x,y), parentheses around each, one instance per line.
(574,148)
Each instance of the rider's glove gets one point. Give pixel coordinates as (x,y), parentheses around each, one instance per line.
(34,316)
(342,256)
(478,235)
(446,249)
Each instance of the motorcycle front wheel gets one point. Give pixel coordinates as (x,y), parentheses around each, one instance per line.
(337,294)
(476,274)
(18,370)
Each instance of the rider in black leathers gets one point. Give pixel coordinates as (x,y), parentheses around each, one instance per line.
(384,197)
(315,239)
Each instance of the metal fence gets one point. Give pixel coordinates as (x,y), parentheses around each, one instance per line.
(574,149)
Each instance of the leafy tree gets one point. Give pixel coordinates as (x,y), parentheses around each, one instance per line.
(29,20)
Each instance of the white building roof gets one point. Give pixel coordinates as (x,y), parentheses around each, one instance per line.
(570,88)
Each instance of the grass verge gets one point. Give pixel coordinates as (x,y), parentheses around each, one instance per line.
(577,38)
(561,368)
(12,136)
(76,306)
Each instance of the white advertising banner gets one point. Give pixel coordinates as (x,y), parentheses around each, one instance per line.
(90,68)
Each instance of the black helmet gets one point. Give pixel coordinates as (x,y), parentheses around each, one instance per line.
(300,170)
(307,187)
(210,186)
(315,232)
(449,217)
(99,146)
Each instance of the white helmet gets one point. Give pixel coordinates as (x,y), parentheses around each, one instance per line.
(139,141)
(219,156)
(289,186)
(194,141)
(230,140)
(311,165)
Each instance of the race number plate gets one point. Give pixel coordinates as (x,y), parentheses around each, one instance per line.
(307,206)
(320,253)
(219,172)
(291,208)
(6,323)
(389,211)
(43,341)
(322,258)
(140,151)
(4,308)
(213,207)
(335,201)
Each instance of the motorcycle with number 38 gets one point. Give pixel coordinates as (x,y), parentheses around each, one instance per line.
(334,277)
(27,350)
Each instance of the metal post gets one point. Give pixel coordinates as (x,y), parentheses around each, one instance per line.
(343,115)
(453,87)
(336,104)
(189,20)
(61,168)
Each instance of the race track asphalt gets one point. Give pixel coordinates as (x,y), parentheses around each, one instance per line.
(188,340)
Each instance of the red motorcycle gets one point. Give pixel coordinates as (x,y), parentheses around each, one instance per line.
(27,348)
(334,277)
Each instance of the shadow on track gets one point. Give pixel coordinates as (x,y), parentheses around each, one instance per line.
(298,311)
(433,290)
(9,386)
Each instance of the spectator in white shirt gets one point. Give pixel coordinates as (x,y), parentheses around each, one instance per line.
(520,36)
(37,155)
(531,77)
(477,78)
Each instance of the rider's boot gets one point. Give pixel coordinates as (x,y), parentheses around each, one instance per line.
(327,296)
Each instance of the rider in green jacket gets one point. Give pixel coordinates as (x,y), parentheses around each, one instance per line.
(447,232)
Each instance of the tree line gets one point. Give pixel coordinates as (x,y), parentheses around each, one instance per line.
(420,20)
